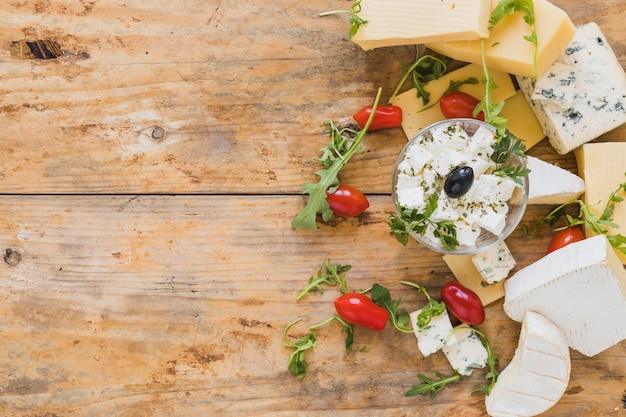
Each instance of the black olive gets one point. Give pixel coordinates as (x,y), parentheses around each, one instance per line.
(459,182)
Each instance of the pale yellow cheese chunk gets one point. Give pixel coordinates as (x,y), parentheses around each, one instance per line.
(417,116)
(466,273)
(522,120)
(508,51)
(411,22)
(602,166)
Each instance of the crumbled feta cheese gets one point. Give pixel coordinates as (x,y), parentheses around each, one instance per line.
(448,160)
(493,189)
(415,159)
(410,192)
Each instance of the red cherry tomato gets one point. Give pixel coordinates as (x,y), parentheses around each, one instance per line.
(458,104)
(347,201)
(565,237)
(384,117)
(463,303)
(360,310)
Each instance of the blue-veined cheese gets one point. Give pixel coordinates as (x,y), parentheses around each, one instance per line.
(467,353)
(434,335)
(466,273)
(495,263)
(550,184)
(411,22)
(598,95)
(537,376)
(580,287)
(557,85)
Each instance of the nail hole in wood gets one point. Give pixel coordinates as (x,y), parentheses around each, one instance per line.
(158,133)
(12,257)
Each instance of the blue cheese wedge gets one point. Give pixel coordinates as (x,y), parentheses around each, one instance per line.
(495,263)
(581,288)
(433,336)
(537,376)
(468,353)
(589,92)
(550,184)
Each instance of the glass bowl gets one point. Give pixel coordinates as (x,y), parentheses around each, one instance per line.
(485,239)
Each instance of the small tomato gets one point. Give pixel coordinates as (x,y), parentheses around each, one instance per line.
(463,303)
(565,237)
(347,201)
(458,104)
(384,117)
(360,310)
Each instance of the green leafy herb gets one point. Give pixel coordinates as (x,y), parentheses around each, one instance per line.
(526,7)
(381,296)
(432,386)
(490,109)
(345,326)
(355,20)
(296,363)
(586,217)
(424,69)
(411,220)
(432,309)
(492,358)
(328,274)
(333,163)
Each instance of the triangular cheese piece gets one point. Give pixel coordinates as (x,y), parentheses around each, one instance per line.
(550,184)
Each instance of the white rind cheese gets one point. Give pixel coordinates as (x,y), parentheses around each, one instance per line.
(468,353)
(495,263)
(550,184)
(434,335)
(411,22)
(589,87)
(581,288)
(537,376)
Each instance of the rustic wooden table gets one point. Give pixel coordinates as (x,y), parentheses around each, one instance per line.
(148,178)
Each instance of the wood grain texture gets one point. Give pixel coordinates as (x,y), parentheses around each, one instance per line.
(148,178)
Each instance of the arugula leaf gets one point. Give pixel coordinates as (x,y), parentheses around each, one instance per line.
(423,70)
(328,274)
(492,358)
(411,220)
(345,326)
(296,362)
(431,386)
(526,7)
(355,20)
(306,218)
(381,296)
(432,309)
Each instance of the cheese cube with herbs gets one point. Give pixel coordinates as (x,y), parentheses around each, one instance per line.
(537,376)
(581,288)
(411,22)
(588,96)
(550,184)
(468,353)
(434,335)
(495,263)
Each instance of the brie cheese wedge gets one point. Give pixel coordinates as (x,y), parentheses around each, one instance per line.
(550,184)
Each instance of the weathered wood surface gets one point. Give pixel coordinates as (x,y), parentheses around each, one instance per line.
(154,276)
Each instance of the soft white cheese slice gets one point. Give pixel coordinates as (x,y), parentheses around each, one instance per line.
(538,374)
(581,288)
(468,353)
(433,336)
(550,184)
(495,263)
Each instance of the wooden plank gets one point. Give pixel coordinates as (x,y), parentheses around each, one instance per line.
(236,95)
(156,306)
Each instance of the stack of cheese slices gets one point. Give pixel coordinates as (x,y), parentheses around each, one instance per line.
(573,93)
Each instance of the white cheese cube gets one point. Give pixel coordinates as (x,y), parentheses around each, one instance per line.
(435,335)
(410,192)
(491,217)
(448,160)
(495,263)
(537,376)
(558,85)
(415,159)
(468,353)
(478,165)
(581,288)
(550,184)
(445,136)
(598,95)
(447,209)
(466,234)
(493,189)
(480,143)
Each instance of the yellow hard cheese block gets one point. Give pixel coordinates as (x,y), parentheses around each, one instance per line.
(466,273)
(507,50)
(522,120)
(410,22)
(416,116)
(602,166)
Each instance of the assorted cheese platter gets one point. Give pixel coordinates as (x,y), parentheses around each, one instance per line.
(533,74)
